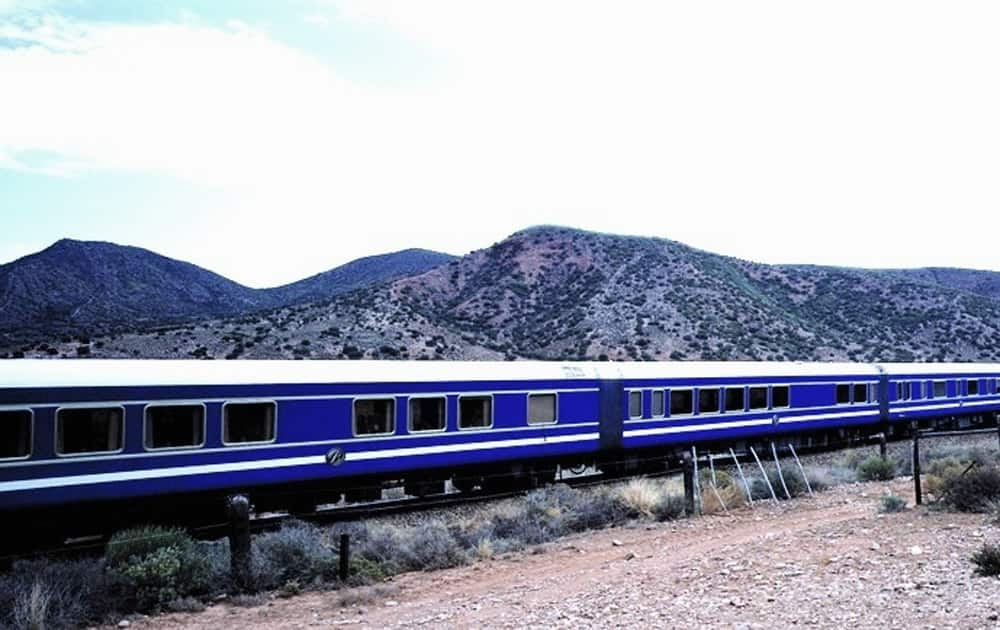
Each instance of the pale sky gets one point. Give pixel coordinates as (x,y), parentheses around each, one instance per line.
(268,141)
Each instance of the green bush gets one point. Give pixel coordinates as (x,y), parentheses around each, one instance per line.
(153,566)
(141,541)
(892,503)
(876,468)
(987,560)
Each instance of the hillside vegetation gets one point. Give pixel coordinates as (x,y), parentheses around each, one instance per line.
(558,293)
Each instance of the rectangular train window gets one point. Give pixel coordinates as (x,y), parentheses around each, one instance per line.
(779,396)
(15,434)
(475,412)
(635,404)
(972,387)
(899,390)
(248,423)
(89,430)
(734,399)
(681,402)
(917,390)
(427,414)
(758,398)
(843,394)
(708,400)
(873,392)
(659,404)
(174,426)
(860,393)
(374,416)
(940,389)
(541,408)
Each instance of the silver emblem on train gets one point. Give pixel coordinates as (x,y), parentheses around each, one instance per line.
(335,456)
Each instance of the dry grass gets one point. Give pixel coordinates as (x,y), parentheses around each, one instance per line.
(642,496)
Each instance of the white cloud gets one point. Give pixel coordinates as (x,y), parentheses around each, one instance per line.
(777,131)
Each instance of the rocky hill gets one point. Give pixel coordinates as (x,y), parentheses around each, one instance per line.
(84,288)
(552,293)
(357,274)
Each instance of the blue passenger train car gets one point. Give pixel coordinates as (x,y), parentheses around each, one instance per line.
(127,440)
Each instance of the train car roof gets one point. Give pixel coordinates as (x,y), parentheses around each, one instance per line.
(925,369)
(20,373)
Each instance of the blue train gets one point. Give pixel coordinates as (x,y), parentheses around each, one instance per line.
(118,440)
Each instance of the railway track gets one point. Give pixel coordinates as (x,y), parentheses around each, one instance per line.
(94,544)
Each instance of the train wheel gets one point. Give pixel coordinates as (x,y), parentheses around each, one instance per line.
(465,484)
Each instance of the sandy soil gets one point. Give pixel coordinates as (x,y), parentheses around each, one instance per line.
(825,561)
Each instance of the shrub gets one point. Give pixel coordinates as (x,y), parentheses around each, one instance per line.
(297,552)
(671,507)
(153,566)
(876,468)
(974,491)
(987,560)
(891,503)
(141,541)
(50,594)
(640,497)
(429,546)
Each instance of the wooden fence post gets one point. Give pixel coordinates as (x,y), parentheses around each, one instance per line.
(239,540)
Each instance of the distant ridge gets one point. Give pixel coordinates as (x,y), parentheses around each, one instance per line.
(93,286)
(551,292)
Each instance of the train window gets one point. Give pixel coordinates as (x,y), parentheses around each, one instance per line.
(659,404)
(247,423)
(541,408)
(873,392)
(899,390)
(374,416)
(779,396)
(917,390)
(15,434)
(940,389)
(708,400)
(843,394)
(758,398)
(475,412)
(860,393)
(89,430)
(635,404)
(427,414)
(734,399)
(973,388)
(681,402)
(174,426)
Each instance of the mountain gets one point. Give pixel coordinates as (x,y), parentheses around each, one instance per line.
(360,273)
(87,287)
(86,282)
(559,293)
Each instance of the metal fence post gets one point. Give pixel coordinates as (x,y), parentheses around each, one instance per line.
(687,465)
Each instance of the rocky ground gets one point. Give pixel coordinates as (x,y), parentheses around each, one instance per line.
(826,561)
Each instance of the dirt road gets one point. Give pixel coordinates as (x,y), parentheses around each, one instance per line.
(826,561)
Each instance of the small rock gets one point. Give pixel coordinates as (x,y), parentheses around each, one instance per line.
(874,546)
(616,542)
(915,550)
(124,623)
(392,602)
